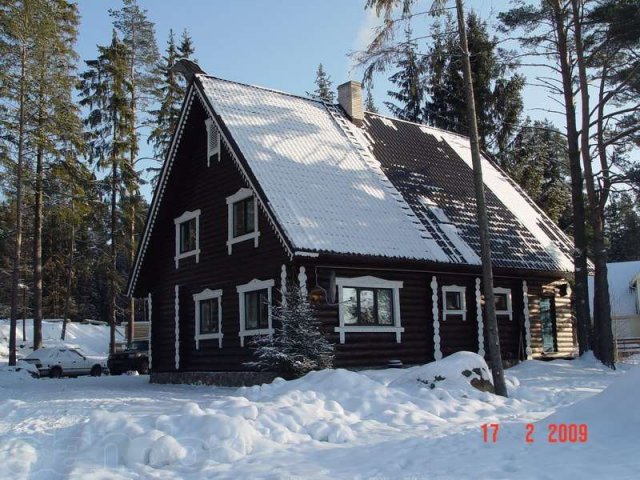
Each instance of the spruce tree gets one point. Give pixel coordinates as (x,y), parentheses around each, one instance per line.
(297,346)
(106,93)
(537,160)
(324,88)
(369,104)
(409,79)
(169,94)
(497,91)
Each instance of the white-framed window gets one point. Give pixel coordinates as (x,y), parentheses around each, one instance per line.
(242,215)
(213,141)
(503,302)
(453,301)
(208,307)
(187,236)
(255,308)
(369,304)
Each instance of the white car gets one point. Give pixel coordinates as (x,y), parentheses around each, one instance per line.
(58,361)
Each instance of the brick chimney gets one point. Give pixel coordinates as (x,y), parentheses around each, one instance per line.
(350,99)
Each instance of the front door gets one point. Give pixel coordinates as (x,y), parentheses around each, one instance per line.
(548,319)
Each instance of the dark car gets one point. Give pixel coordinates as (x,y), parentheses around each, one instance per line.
(134,357)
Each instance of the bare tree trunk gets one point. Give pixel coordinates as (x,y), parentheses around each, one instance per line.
(37,241)
(67,299)
(602,307)
(483,222)
(581,272)
(15,273)
(114,251)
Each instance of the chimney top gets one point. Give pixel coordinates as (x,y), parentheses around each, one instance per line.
(350,99)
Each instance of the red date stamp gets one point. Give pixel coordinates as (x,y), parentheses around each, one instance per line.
(556,433)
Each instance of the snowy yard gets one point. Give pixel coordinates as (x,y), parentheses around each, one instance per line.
(330,424)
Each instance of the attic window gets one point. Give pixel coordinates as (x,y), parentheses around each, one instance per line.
(213,142)
(242,218)
(187,236)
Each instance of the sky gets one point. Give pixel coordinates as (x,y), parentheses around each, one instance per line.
(276,44)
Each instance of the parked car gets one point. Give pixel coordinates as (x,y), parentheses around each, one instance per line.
(62,361)
(134,357)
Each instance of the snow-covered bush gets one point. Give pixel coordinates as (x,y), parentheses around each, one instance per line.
(297,345)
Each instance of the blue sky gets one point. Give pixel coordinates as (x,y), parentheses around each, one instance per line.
(276,43)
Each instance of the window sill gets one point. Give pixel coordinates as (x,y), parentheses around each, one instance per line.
(254,333)
(191,253)
(368,329)
(209,336)
(243,238)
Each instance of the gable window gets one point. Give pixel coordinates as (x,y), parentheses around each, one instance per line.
(368,304)
(453,302)
(255,308)
(187,236)
(503,302)
(208,309)
(213,142)
(242,218)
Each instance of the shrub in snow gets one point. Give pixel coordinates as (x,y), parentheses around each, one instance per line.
(297,345)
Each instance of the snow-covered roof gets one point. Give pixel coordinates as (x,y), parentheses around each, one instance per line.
(390,189)
(432,169)
(623,288)
(323,192)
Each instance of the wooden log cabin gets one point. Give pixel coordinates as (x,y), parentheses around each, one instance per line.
(375,217)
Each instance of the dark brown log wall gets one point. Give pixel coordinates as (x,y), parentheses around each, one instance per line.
(193,185)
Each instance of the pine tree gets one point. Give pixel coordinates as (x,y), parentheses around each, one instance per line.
(324,88)
(297,345)
(138,36)
(409,80)
(106,92)
(57,125)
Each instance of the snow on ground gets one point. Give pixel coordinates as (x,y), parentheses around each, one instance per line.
(330,424)
(92,339)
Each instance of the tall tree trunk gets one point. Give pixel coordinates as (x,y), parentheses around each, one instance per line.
(15,272)
(133,188)
(37,237)
(114,251)
(67,298)
(581,272)
(602,307)
(483,222)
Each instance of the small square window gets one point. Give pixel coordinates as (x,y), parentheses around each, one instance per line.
(243,217)
(188,236)
(453,302)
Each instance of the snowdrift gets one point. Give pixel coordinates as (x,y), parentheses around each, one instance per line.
(329,407)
